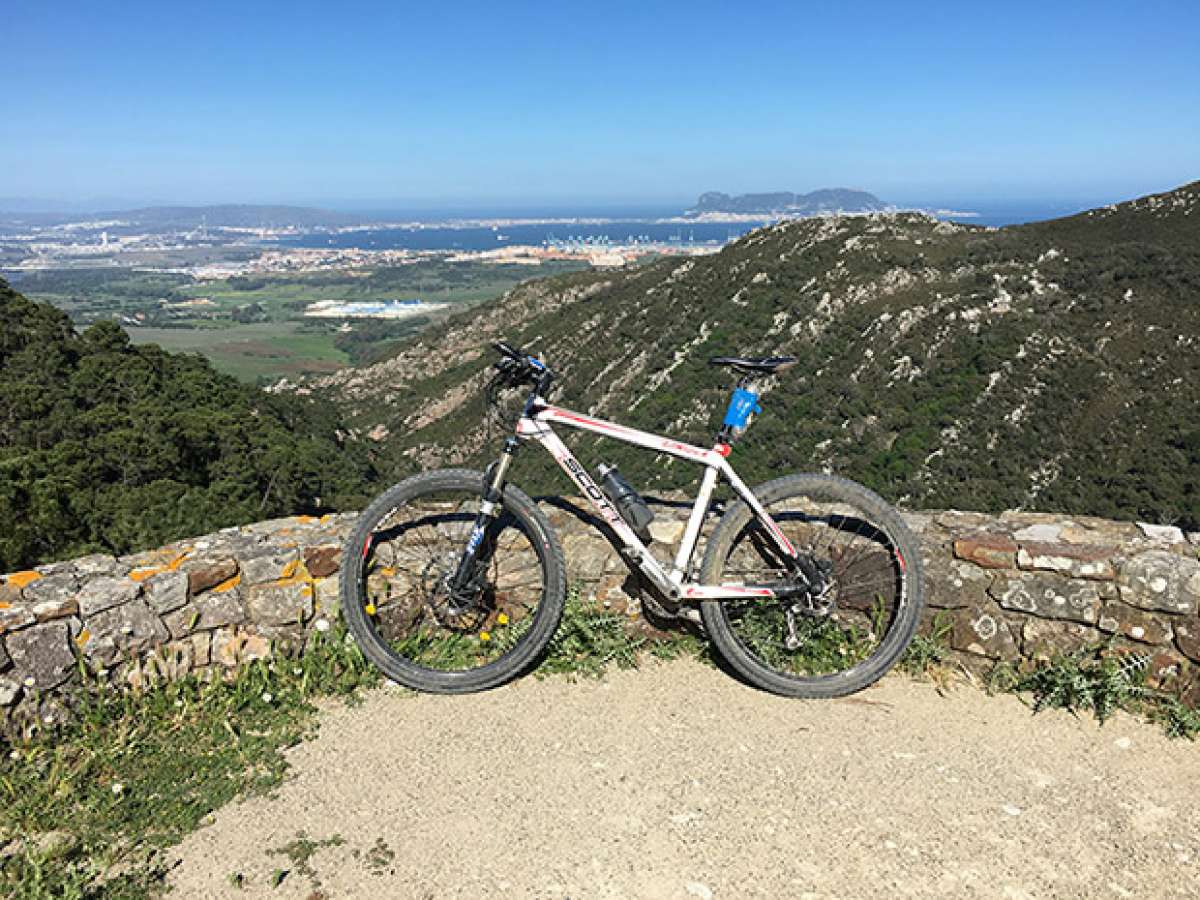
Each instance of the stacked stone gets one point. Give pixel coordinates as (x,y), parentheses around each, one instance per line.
(1017,588)
(1025,587)
(210,604)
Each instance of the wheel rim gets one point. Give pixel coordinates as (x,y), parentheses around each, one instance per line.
(867,590)
(407,564)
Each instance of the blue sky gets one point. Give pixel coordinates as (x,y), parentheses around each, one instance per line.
(530,103)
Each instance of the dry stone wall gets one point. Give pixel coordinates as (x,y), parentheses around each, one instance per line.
(1018,588)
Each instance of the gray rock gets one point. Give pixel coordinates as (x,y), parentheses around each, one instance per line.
(99,564)
(952,583)
(43,654)
(166,591)
(1168,534)
(14,617)
(270,564)
(285,604)
(1042,531)
(211,610)
(126,629)
(1187,638)
(1074,560)
(983,632)
(1117,618)
(328,598)
(10,690)
(52,596)
(1045,639)
(1050,596)
(1161,580)
(5,659)
(105,592)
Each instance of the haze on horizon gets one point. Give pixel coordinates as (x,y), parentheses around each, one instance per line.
(526,104)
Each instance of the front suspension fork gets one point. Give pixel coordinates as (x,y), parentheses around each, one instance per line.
(489,511)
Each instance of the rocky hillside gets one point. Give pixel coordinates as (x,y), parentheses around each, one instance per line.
(1054,365)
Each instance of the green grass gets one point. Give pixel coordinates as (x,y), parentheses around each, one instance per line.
(251,352)
(89,811)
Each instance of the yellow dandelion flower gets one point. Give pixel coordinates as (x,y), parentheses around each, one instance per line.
(370,609)
(502,618)
(485,636)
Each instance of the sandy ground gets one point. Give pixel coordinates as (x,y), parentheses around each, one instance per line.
(678,781)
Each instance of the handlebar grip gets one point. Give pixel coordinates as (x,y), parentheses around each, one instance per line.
(506,349)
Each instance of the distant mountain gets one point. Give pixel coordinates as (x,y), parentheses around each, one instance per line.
(179,216)
(1051,366)
(826,200)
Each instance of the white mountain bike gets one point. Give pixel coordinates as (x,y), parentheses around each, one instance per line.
(454,580)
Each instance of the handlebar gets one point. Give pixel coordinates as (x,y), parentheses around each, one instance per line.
(523,368)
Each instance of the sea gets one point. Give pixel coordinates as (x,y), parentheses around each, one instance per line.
(432,229)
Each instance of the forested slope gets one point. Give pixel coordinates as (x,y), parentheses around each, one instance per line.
(106,446)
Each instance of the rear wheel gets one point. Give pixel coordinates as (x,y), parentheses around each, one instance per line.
(396,576)
(815,646)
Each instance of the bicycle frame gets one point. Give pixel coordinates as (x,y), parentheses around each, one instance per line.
(674,582)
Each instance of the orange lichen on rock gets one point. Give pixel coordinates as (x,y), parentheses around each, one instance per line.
(146,572)
(295,572)
(228,584)
(21,579)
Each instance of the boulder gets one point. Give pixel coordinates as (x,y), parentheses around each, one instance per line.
(41,654)
(1161,581)
(1050,596)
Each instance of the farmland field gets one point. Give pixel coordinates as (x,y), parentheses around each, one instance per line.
(253,326)
(254,352)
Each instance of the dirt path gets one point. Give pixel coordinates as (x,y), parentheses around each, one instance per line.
(677,781)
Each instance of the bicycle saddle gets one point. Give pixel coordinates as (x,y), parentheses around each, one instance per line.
(765,365)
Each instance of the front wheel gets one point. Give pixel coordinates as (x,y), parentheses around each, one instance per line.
(866,615)
(397,574)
